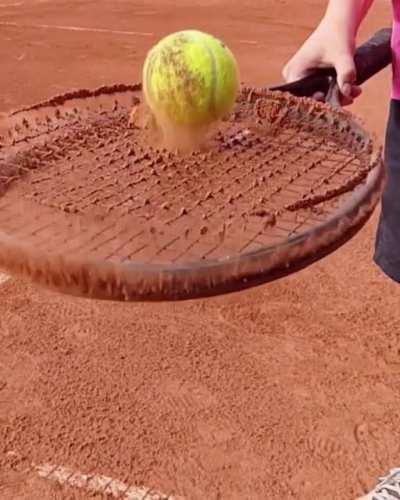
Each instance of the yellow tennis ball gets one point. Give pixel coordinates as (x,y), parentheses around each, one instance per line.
(190,79)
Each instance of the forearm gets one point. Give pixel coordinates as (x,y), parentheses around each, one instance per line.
(347,15)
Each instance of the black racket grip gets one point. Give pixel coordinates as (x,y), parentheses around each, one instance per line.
(370,58)
(373,56)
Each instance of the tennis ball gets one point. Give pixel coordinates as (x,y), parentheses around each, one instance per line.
(190,79)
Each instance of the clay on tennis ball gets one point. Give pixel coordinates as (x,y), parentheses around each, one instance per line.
(190,79)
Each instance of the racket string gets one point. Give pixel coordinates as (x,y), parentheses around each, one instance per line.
(130,200)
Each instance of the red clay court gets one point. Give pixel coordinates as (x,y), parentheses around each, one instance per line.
(286,391)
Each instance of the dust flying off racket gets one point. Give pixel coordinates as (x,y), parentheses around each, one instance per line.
(90,207)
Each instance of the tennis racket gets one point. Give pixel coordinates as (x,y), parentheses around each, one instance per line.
(92,207)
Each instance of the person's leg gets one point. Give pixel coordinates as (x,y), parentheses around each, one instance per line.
(387,248)
(387,256)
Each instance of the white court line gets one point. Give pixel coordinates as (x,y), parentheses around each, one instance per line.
(98,484)
(4,278)
(16,4)
(101,30)
(75,28)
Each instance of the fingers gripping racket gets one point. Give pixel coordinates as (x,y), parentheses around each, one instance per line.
(370,58)
(92,207)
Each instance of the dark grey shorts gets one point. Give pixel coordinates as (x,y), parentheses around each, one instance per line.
(387,247)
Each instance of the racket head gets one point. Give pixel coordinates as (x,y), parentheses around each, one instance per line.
(93,207)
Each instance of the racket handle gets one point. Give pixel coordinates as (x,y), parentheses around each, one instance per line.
(374,55)
(370,58)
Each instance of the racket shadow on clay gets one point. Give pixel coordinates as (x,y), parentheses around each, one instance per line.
(92,207)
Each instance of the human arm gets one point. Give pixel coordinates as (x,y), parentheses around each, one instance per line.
(332,43)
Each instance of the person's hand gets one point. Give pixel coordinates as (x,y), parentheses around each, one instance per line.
(326,47)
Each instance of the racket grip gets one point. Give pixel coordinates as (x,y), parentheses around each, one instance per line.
(374,55)
(370,58)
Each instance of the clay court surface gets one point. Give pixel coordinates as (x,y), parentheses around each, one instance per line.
(287,391)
